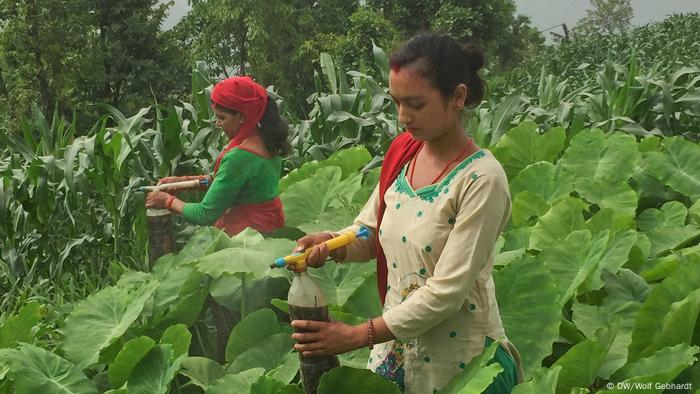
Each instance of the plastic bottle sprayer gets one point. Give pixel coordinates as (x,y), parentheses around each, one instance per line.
(306,302)
(161,238)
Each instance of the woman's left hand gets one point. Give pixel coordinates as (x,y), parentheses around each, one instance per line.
(157,199)
(326,338)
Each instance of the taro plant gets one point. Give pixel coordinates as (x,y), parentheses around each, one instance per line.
(605,224)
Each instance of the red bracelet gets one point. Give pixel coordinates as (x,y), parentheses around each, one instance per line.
(370,334)
(169,202)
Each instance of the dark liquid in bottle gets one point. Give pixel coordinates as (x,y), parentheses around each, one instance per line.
(161,239)
(312,367)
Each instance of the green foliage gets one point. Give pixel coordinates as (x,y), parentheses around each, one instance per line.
(34,369)
(19,328)
(477,375)
(108,52)
(657,47)
(606,16)
(129,356)
(353,50)
(519,301)
(605,223)
(493,24)
(201,371)
(154,372)
(106,315)
(349,380)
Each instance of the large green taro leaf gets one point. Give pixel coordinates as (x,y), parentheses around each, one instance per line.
(260,341)
(526,207)
(253,260)
(617,196)
(179,337)
(321,200)
(203,372)
(516,239)
(340,281)
(615,256)
(19,328)
(236,261)
(35,370)
(661,367)
(694,212)
(154,372)
(606,159)
(269,354)
(525,145)
(660,321)
(228,290)
(580,365)
(671,214)
(364,301)
(235,382)
(252,330)
(530,314)
(677,167)
(101,319)
(562,219)
(349,160)
(590,318)
(172,276)
(572,260)
(544,381)
(289,368)
(128,357)
(206,240)
(544,179)
(477,375)
(346,380)
(659,268)
(666,228)
(624,285)
(268,385)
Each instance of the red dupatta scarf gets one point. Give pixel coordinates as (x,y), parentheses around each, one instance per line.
(401,151)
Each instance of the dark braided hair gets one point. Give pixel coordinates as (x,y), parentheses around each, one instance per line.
(445,63)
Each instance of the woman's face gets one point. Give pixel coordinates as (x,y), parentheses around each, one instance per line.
(228,121)
(421,107)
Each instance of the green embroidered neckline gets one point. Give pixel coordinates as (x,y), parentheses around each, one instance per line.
(430,192)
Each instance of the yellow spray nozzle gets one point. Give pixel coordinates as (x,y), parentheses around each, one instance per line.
(298,260)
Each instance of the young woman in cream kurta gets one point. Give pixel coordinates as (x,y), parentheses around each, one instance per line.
(438,241)
(443,202)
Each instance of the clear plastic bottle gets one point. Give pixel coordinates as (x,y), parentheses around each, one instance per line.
(306,302)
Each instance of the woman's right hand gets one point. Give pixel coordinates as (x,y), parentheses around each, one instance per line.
(319,250)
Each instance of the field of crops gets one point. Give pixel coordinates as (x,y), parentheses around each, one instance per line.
(596,275)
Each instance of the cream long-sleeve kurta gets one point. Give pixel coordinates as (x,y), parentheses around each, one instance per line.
(439,243)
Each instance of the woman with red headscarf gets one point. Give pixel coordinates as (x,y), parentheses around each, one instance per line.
(244,187)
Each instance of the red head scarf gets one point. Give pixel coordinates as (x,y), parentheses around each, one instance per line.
(240,94)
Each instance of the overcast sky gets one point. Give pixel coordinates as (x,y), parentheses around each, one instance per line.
(546,13)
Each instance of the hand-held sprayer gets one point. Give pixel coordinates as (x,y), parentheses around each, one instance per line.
(161,238)
(306,302)
(176,185)
(298,260)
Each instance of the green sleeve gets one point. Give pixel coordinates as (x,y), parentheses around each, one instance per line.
(222,193)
